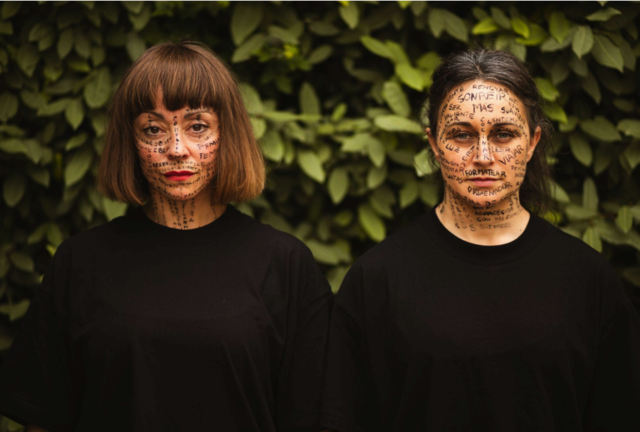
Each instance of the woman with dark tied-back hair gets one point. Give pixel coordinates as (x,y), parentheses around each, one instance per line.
(184,315)
(482,316)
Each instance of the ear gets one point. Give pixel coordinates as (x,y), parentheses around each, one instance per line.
(533,143)
(432,143)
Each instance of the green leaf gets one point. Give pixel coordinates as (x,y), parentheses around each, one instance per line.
(630,127)
(311,165)
(27,58)
(82,45)
(10,8)
(582,42)
(558,193)
(559,26)
(251,98)
(350,14)
(581,149)
(339,112)
(371,223)
(338,184)
(486,26)
(377,47)
(396,123)
(65,43)
(245,19)
(410,76)
(8,106)
(606,53)
(602,159)
(376,152)
(285,35)
(15,312)
(77,165)
(323,253)
(320,54)
(590,85)
(520,27)
(555,112)
(14,188)
(309,102)
(135,46)
(259,127)
(408,193)
(592,238)
(536,37)
(632,154)
(134,7)
(455,26)
(398,56)
(436,21)
(624,219)
(601,129)
(54,234)
(396,98)
(589,194)
(603,15)
(501,18)
(547,89)
(40,175)
(98,91)
(251,45)
(76,141)
(74,113)
(376,176)
(141,19)
(54,108)
(273,146)
(381,201)
(113,209)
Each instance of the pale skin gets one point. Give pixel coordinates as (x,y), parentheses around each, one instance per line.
(483,145)
(185,141)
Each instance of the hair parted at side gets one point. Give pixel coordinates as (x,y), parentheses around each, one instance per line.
(185,74)
(507,70)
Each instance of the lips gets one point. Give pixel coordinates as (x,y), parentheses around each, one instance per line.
(483,181)
(178,175)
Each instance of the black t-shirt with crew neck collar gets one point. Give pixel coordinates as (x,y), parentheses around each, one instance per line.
(432,333)
(141,327)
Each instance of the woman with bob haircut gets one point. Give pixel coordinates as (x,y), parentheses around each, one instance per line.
(482,316)
(184,315)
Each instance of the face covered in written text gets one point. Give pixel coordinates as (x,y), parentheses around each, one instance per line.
(483,143)
(178,150)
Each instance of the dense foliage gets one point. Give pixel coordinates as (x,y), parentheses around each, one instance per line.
(335,93)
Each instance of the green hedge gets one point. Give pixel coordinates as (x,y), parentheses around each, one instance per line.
(335,93)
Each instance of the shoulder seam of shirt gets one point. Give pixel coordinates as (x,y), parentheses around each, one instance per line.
(349,312)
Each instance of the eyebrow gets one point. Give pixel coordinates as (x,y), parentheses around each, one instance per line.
(196,112)
(459,124)
(155,114)
(506,124)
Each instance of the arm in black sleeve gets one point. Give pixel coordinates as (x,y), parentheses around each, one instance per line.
(34,379)
(348,397)
(299,391)
(614,399)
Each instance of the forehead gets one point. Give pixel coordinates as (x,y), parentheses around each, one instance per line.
(475,100)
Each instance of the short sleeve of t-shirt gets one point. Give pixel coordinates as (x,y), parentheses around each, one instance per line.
(35,380)
(299,387)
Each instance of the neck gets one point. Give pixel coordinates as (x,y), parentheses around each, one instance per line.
(488,226)
(184,215)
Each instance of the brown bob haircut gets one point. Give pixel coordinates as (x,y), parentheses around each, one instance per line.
(186,74)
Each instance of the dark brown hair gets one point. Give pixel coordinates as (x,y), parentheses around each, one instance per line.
(507,70)
(186,74)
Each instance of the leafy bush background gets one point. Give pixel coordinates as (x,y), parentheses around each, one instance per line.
(335,91)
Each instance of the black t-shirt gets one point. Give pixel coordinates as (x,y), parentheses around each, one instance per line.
(140,327)
(431,333)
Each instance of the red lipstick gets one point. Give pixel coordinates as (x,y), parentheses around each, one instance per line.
(178,175)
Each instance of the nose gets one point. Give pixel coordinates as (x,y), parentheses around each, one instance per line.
(484,153)
(177,149)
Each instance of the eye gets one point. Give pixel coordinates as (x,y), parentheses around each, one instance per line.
(463,136)
(503,135)
(152,130)
(199,127)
